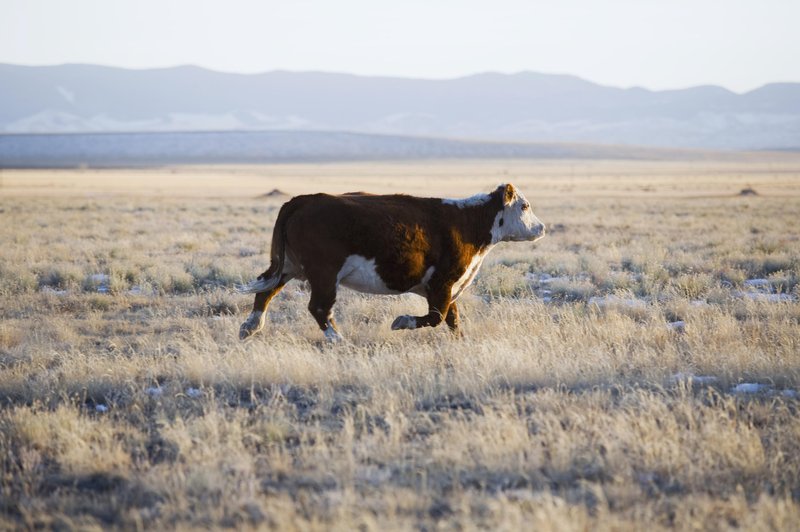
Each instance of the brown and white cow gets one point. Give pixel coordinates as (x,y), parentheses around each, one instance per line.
(387,245)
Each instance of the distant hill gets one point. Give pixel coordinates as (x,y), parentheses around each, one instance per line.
(243,147)
(527,107)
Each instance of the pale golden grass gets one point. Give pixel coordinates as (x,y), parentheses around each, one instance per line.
(138,406)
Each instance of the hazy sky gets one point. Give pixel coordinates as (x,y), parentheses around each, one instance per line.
(740,44)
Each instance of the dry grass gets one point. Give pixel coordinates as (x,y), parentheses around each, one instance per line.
(128,401)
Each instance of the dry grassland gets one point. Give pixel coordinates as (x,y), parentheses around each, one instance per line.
(570,404)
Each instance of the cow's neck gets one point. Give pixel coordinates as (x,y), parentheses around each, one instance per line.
(476,223)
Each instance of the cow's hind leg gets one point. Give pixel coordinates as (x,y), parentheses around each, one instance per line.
(255,321)
(323,296)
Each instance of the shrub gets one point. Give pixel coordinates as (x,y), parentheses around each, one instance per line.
(61,277)
(693,286)
(504,281)
(570,290)
(17,279)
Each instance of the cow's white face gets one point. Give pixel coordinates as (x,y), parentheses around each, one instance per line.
(516,222)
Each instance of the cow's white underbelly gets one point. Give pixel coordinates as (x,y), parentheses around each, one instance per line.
(359,273)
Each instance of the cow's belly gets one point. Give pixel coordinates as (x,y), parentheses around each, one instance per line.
(359,273)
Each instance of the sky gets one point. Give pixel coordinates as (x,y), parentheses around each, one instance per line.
(656,44)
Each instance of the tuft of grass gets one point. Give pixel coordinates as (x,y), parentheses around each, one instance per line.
(693,286)
(762,266)
(62,277)
(16,279)
(217,273)
(572,290)
(499,280)
(168,279)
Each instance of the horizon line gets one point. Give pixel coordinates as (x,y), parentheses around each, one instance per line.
(397,77)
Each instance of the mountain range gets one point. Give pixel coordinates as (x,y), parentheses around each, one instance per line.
(523,107)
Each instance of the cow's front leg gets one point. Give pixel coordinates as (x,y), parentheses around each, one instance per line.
(438,307)
(452,320)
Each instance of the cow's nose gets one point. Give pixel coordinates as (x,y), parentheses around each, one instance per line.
(540,229)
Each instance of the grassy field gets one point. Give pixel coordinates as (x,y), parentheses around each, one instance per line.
(639,367)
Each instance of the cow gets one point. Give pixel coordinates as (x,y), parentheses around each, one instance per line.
(387,244)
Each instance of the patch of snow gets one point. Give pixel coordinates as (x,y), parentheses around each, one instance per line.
(101,408)
(100,281)
(767,298)
(704,379)
(548,279)
(53,291)
(698,303)
(138,290)
(698,379)
(154,391)
(538,277)
(194,393)
(762,290)
(792,394)
(522,495)
(749,387)
(780,297)
(611,300)
(53,121)
(677,326)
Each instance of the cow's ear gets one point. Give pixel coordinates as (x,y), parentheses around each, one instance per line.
(509,194)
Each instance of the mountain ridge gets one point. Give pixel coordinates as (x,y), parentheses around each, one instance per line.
(520,107)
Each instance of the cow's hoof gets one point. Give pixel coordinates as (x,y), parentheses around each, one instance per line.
(404,322)
(333,336)
(457,333)
(246,331)
(253,324)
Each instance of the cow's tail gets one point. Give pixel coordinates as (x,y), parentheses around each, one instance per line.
(270,278)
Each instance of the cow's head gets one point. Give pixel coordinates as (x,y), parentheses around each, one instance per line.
(516,221)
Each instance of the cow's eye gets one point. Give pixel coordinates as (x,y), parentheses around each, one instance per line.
(526,206)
